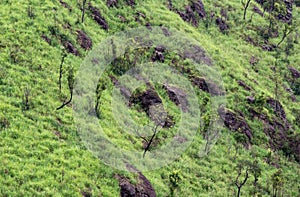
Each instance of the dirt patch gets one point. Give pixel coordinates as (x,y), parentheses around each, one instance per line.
(96,14)
(236,122)
(198,7)
(84,41)
(70,48)
(124,91)
(178,96)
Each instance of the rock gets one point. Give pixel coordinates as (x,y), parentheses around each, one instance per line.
(257,10)
(47,39)
(65,5)
(207,86)
(97,16)
(112,3)
(197,54)
(84,41)
(165,31)
(146,99)
(70,48)
(130,2)
(235,122)
(295,73)
(198,7)
(178,96)
(158,54)
(223,26)
(250,99)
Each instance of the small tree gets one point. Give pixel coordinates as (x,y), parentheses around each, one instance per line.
(83,10)
(238,183)
(245,4)
(71,80)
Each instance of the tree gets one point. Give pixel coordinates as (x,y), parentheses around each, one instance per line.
(83,10)
(239,184)
(158,116)
(245,5)
(64,55)
(71,80)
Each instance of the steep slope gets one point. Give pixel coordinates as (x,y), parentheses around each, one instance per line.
(41,152)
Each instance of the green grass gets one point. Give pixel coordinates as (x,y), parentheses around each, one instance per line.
(41,153)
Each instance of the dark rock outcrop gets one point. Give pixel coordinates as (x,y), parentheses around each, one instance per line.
(223,26)
(197,54)
(98,17)
(244,85)
(70,48)
(207,86)
(84,41)
(236,122)
(158,54)
(295,73)
(112,3)
(178,96)
(143,188)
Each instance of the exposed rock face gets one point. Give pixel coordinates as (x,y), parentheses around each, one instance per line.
(278,130)
(130,2)
(235,122)
(97,16)
(178,96)
(84,41)
(147,99)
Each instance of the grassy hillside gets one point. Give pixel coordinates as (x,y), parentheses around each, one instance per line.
(41,152)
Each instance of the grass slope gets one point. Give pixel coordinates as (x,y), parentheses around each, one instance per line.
(40,150)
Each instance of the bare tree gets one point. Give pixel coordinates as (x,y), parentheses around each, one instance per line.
(71,87)
(83,10)
(64,55)
(239,184)
(245,5)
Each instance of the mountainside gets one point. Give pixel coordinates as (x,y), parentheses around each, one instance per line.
(197,98)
